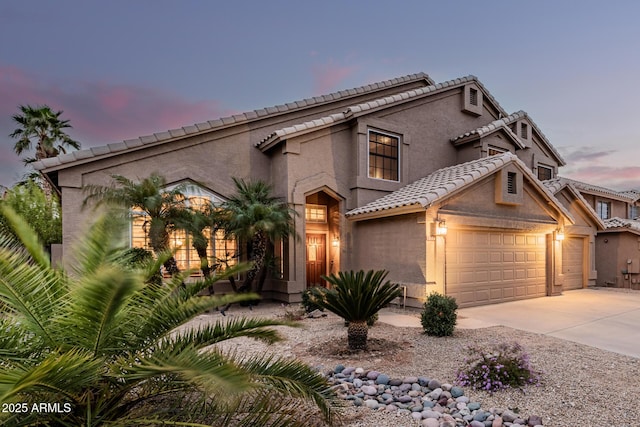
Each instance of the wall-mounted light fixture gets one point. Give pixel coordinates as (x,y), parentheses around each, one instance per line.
(559,235)
(335,242)
(441,228)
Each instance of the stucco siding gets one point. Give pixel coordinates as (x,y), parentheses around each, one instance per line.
(395,244)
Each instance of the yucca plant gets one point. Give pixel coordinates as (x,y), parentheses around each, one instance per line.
(356,297)
(101,346)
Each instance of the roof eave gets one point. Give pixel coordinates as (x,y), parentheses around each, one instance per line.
(383,213)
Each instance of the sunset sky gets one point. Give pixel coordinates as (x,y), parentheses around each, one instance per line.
(121,69)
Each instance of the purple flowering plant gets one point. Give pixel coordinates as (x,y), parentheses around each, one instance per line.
(501,366)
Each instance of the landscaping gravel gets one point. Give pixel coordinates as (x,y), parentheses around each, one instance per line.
(581,385)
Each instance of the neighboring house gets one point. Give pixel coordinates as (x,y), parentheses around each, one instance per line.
(616,233)
(609,203)
(434,182)
(618,250)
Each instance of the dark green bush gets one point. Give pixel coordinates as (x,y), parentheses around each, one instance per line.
(308,301)
(439,315)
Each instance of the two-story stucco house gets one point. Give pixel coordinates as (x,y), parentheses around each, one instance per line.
(434,182)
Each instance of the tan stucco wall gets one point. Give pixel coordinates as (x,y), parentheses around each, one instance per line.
(396,244)
(613,250)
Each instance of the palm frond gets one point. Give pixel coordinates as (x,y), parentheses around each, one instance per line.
(26,235)
(29,293)
(97,314)
(293,379)
(356,296)
(59,374)
(212,372)
(256,328)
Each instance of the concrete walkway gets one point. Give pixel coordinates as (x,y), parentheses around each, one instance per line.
(603,318)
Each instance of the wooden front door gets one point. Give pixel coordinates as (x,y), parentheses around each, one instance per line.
(316,259)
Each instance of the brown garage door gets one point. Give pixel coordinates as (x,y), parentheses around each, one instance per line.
(485,267)
(572,263)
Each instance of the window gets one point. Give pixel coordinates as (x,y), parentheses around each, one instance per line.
(634,211)
(524,131)
(511,183)
(603,209)
(221,251)
(544,173)
(383,156)
(315,213)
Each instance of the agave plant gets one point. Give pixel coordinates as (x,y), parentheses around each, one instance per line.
(101,346)
(356,297)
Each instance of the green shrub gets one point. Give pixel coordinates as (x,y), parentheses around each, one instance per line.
(498,367)
(308,301)
(439,315)
(356,297)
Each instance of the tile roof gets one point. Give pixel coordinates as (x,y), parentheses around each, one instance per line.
(555,185)
(369,106)
(504,123)
(615,222)
(198,128)
(625,196)
(445,182)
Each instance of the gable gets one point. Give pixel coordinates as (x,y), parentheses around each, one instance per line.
(583,214)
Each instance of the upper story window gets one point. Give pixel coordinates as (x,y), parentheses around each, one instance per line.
(634,211)
(544,173)
(603,209)
(384,152)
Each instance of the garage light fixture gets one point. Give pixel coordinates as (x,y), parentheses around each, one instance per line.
(441,228)
(559,235)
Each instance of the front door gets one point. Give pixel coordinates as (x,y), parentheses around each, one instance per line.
(316,259)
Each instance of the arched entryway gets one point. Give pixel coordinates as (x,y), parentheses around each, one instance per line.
(322,237)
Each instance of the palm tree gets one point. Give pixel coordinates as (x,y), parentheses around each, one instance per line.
(103,344)
(46,128)
(200,223)
(163,208)
(356,297)
(258,219)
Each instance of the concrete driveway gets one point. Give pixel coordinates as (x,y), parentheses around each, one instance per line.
(602,318)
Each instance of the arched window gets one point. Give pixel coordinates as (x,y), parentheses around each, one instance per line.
(221,252)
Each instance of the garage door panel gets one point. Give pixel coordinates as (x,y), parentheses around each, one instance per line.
(572,263)
(498,266)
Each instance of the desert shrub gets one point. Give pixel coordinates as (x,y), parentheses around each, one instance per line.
(308,301)
(356,297)
(439,315)
(498,367)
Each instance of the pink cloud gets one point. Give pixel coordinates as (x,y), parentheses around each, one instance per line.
(100,112)
(617,178)
(328,76)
